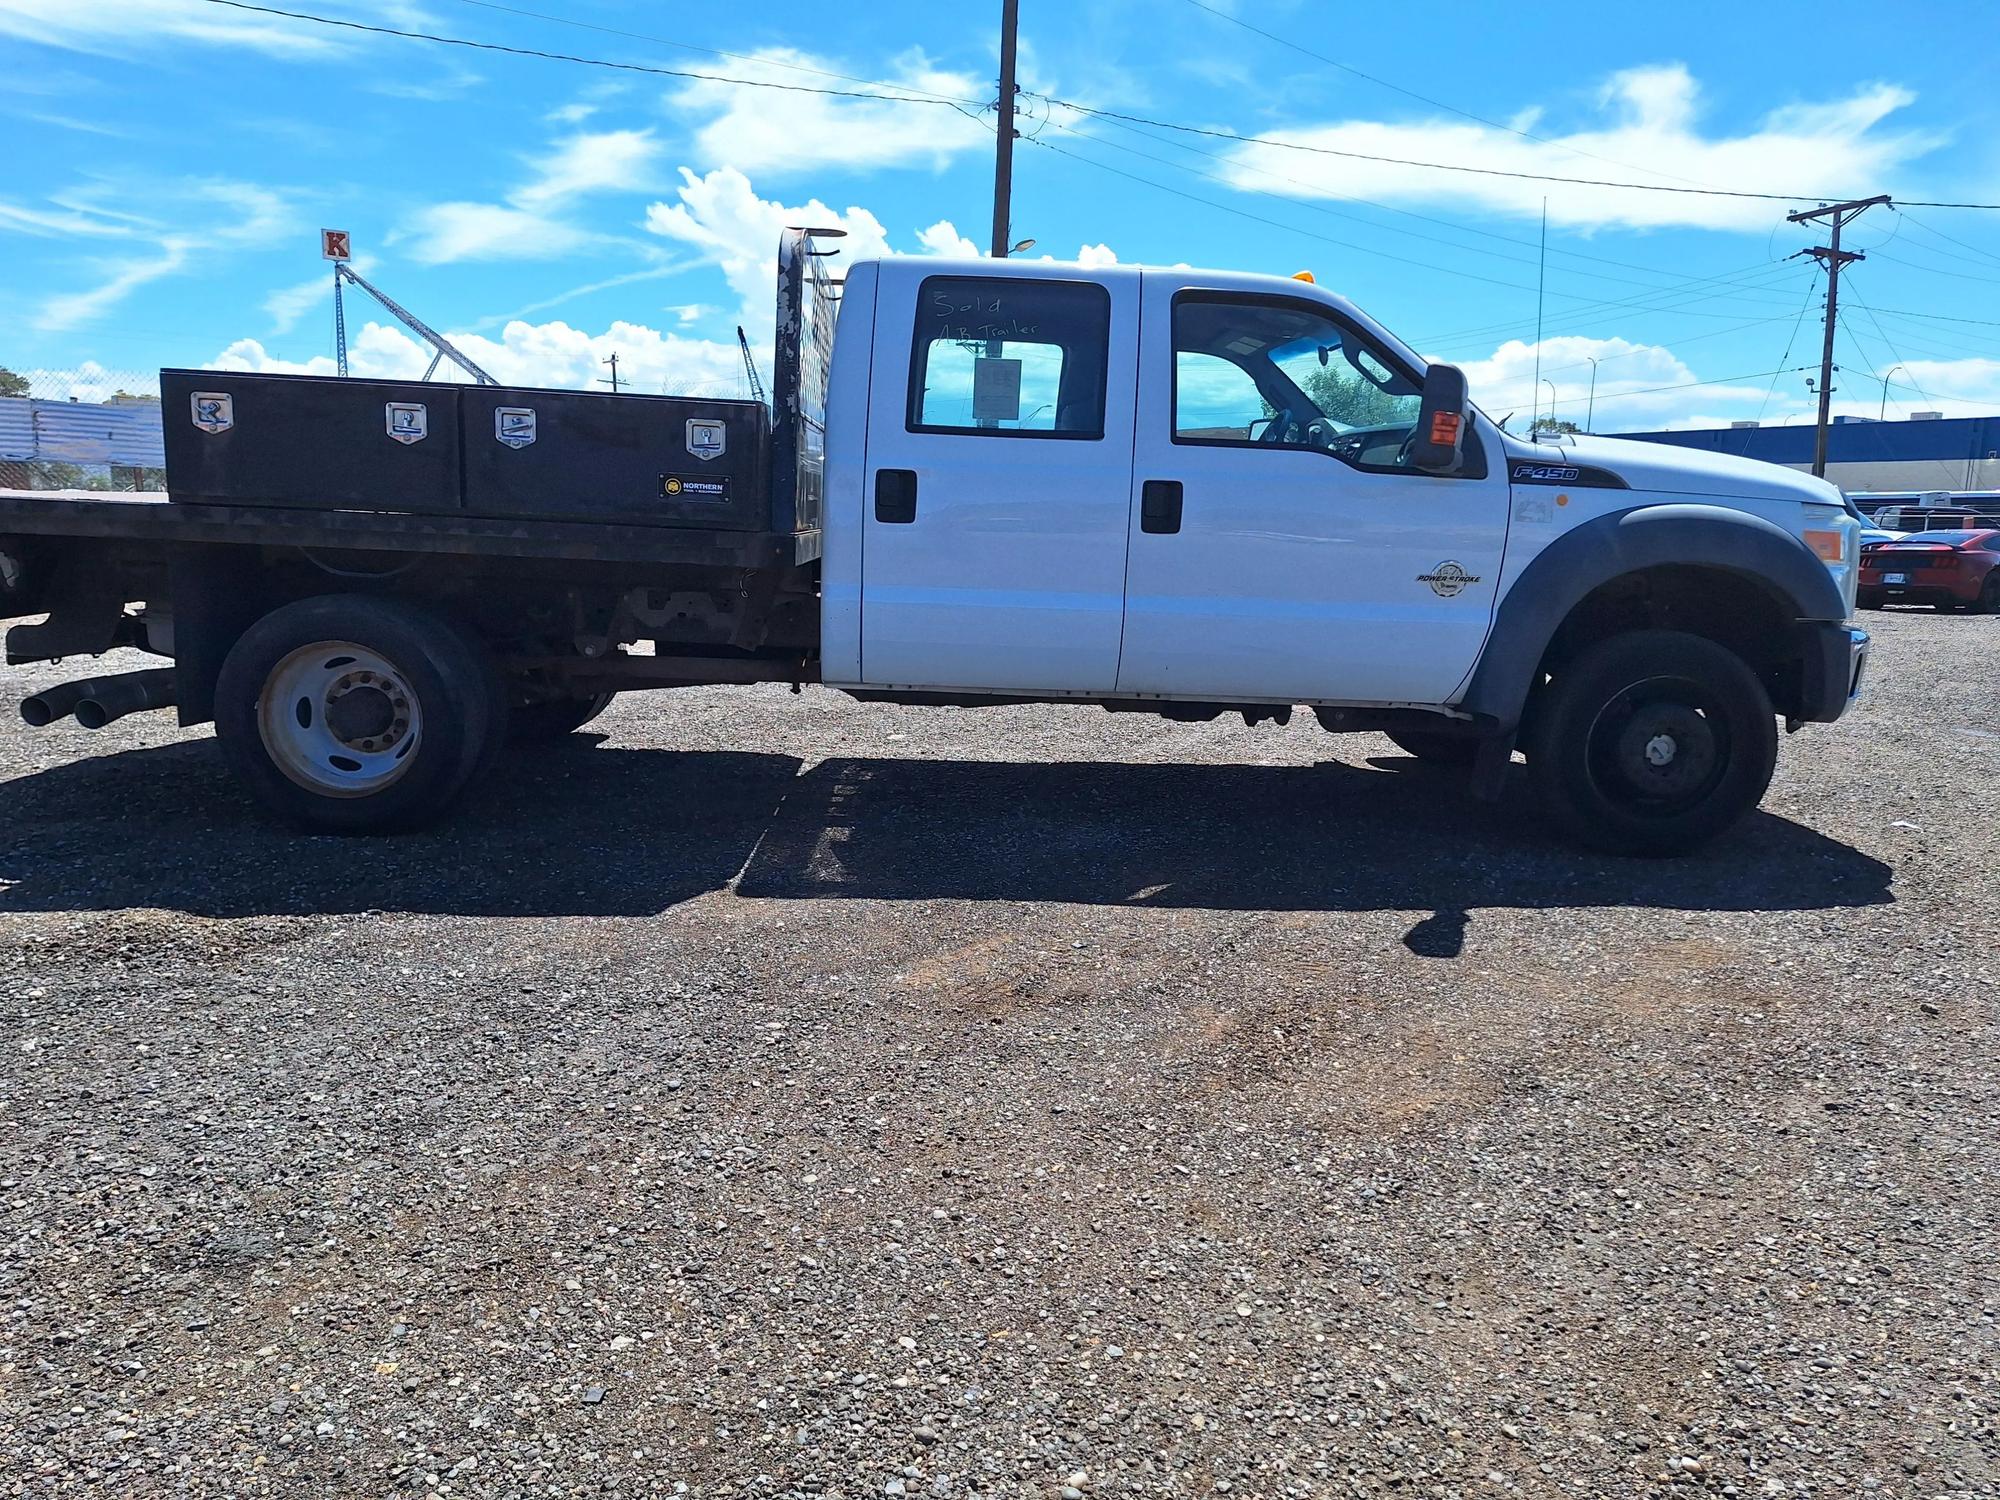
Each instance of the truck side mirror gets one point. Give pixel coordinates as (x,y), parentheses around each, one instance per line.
(1439,439)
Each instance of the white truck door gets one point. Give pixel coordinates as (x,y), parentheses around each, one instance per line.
(997,480)
(1281,549)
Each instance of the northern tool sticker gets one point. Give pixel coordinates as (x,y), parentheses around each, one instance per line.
(407,421)
(694,487)
(514,425)
(707,439)
(214,411)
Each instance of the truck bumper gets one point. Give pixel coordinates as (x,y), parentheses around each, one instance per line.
(1835,656)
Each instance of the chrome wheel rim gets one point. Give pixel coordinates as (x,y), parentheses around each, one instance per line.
(340,719)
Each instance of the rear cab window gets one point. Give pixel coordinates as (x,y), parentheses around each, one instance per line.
(1009,357)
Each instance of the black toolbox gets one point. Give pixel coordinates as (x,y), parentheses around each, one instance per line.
(318,442)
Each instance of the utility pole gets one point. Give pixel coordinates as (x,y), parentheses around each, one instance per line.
(1003,134)
(1590,411)
(613,382)
(1832,257)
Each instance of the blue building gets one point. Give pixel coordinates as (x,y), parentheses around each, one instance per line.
(1925,453)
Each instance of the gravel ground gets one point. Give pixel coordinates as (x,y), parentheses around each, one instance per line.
(783,1096)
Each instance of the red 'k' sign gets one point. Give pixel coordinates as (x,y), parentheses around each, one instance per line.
(333,245)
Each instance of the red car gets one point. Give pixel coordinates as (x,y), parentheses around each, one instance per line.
(1948,569)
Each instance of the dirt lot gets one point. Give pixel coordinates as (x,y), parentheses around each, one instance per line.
(783,1096)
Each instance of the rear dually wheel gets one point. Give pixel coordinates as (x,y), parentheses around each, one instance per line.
(358,715)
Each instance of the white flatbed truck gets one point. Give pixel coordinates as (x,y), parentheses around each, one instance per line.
(1182,492)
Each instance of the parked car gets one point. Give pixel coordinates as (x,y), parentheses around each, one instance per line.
(1873,536)
(1946,569)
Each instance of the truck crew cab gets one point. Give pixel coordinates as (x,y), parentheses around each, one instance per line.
(1185,492)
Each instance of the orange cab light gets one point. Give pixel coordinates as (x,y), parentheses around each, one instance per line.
(1305,276)
(1825,545)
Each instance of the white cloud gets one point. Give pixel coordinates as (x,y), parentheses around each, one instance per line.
(454,83)
(943,238)
(1096,255)
(1652,135)
(70,309)
(770,131)
(46,222)
(722,219)
(531,354)
(223,216)
(128,28)
(610,160)
(448,232)
(532,223)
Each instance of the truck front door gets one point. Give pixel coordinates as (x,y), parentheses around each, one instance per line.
(1282,547)
(998,468)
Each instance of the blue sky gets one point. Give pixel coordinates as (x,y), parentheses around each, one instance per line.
(175,159)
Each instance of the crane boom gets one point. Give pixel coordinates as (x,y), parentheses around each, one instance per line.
(437,341)
(750,367)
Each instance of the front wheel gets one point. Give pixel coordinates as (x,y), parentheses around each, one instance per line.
(1652,743)
(358,715)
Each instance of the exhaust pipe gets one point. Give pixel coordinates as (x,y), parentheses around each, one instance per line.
(45,707)
(111,698)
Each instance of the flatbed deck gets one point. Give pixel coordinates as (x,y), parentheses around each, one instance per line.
(152,517)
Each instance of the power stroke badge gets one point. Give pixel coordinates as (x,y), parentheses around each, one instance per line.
(1448,580)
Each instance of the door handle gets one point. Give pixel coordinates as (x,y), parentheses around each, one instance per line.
(1160,506)
(896,496)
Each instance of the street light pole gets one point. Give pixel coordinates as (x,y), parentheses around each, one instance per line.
(1590,411)
(1883,405)
(1552,401)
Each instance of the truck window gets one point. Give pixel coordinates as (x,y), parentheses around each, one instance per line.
(1007,357)
(1265,371)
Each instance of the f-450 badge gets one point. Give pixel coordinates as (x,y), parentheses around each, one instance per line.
(1546,474)
(1448,580)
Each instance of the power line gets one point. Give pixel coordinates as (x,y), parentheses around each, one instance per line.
(1688,385)
(905,97)
(1322,208)
(1930,270)
(1588,303)
(643,36)
(1463,114)
(1797,323)
(1437,166)
(1963,244)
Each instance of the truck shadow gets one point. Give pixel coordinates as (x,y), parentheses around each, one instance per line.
(592,830)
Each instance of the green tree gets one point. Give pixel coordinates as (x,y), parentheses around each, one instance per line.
(1550,424)
(12,384)
(1354,402)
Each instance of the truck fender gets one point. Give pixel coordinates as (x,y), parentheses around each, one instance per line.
(1629,541)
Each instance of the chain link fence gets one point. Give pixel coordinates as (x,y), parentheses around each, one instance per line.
(68,428)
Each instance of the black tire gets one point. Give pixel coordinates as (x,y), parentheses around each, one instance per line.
(1437,749)
(1989,593)
(1868,601)
(1595,746)
(420,713)
(555,717)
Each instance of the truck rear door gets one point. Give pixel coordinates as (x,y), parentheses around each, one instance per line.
(1282,547)
(998,470)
